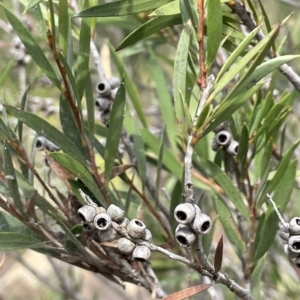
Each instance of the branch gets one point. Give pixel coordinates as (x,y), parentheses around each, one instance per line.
(219,277)
(247,20)
(188,159)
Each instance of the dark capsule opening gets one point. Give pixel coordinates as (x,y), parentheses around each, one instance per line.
(102,222)
(39,144)
(182,240)
(97,103)
(139,223)
(101,86)
(205,226)
(222,138)
(236,149)
(181,215)
(140,259)
(296,246)
(298,221)
(81,216)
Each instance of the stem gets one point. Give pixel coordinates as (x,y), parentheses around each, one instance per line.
(67,93)
(202,78)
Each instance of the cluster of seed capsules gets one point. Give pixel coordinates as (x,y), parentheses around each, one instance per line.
(291,235)
(106,93)
(105,221)
(191,223)
(224,139)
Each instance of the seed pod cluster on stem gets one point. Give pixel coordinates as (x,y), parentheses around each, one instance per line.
(223,138)
(191,222)
(291,235)
(103,221)
(106,93)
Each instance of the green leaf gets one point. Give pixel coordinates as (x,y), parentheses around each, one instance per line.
(150,27)
(48,131)
(68,124)
(256,279)
(90,105)
(164,100)
(130,86)
(214,30)
(228,76)
(14,241)
(243,144)
(159,165)
(114,131)
(83,57)
(179,79)
(139,151)
(11,179)
(225,111)
(31,4)
(70,235)
(5,72)
(121,8)
(32,46)
(78,170)
(262,110)
(63,24)
(226,184)
(228,224)
(168,9)
(267,227)
(170,162)
(263,70)
(237,52)
(282,167)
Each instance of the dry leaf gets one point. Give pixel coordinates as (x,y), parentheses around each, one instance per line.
(188,292)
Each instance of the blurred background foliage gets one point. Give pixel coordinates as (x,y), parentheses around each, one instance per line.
(147,64)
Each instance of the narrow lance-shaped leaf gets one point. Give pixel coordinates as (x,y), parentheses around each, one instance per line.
(240,65)
(31,4)
(83,57)
(179,80)
(139,150)
(237,52)
(188,292)
(130,86)
(10,176)
(214,30)
(164,100)
(150,27)
(48,131)
(63,24)
(114,131)
(78,170)
(226,184)
(256,279)
(219,255)
(267,227)
(229,226)
(32,46)
(14,241)
(168,9)
(121,8)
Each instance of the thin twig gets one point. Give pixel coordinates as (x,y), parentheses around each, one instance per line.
(284,224)
(247,20)
(97,61)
